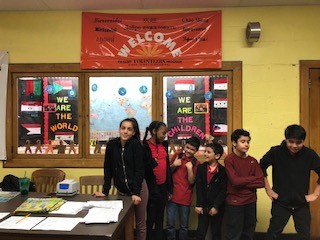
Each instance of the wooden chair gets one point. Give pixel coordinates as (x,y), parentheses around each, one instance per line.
(94,183)
(46,179)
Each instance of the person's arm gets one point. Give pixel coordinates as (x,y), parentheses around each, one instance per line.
(107,170)
(107,174)
(316,167)
(139,167)
(175,161)
(266,161)
(191,177)
(272,194)
(259,182)
(313,196)
(222,194)
(233,177)
(199,187)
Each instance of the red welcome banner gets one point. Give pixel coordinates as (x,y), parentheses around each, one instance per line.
(151,41)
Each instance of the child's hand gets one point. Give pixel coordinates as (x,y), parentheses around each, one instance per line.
(189,165)
(98,194)
(177,162)
(135,199)
(272,194)
(213,211)
(199,210)
(311,197)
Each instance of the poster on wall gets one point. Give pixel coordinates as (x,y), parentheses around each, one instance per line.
(3,104)
(47,114)
(196,106)
(151,41)
(186,109)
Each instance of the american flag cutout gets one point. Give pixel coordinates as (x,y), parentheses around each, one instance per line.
(220,129)
(31,106)
(66,136)
(220,103)
(184,85)
(184,135)
(65,84)
(220,84)
(33,128)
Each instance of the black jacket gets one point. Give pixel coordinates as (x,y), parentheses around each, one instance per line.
(211,194)
(290,173)
(151,163)
(125,166)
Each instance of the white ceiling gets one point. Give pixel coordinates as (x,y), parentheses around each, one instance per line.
(60,5)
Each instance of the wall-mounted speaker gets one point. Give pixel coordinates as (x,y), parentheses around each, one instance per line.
(253,31)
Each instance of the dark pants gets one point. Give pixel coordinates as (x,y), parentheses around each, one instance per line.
(280,216)
(241,221)
(155,214)
(215,222)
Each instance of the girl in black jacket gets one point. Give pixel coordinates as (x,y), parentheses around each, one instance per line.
(211,187)
(124,163)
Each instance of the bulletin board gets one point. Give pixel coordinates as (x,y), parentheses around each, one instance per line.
(196,106)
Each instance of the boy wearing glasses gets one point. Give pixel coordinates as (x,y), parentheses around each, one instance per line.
(291,164)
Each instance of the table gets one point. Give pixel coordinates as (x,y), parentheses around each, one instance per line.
(122,229)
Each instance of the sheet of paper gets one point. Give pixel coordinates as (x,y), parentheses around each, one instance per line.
(3,214)
(58,224)
(105,204)
(102,215)
(21,222)
(70,208)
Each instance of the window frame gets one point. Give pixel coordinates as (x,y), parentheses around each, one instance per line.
(84,159)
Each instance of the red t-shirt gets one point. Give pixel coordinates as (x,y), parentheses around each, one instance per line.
(182,190)
(159,153)
(211,172)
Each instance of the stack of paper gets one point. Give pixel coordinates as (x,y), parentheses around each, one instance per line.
(70,208)
(103,211)
(105,204)
(102,215)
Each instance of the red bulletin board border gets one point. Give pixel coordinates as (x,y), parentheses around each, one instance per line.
(151,41)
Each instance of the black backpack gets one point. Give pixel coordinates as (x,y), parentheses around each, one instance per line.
(11,183)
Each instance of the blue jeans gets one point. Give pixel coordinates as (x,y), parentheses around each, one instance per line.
(184,212)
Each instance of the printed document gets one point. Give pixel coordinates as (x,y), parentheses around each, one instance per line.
(21,222)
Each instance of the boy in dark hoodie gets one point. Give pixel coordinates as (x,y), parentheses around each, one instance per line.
(291,164)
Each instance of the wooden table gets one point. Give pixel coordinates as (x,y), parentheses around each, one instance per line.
(123,229)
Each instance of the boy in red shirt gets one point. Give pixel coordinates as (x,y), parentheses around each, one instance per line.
(244,177)
(183,167)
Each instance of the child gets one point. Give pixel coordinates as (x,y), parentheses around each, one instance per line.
(158,177)
(291,164)
(244,177)
(124,163)
(183,167)
(211,186)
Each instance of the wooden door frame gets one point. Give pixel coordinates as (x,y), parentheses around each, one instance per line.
(305,66)
(305,81)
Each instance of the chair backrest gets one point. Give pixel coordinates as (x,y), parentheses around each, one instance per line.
(91,184)
(46,179)
(94,183)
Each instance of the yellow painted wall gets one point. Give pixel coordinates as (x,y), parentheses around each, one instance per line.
(270,66)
